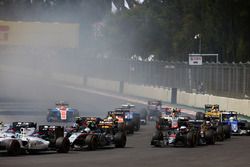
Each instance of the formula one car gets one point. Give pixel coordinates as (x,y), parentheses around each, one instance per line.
(132,119)
(8,141)
(154,108)
(206,134)
(46,138)
(119,119)
(62,113)
(132,114)
(100,135)
(237,127)
(214,115)
(175,132)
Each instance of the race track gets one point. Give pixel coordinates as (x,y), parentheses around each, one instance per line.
(138,152)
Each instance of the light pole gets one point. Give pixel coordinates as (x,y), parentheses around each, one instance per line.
(198,36)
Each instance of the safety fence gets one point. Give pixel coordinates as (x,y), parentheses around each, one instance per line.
(227,80)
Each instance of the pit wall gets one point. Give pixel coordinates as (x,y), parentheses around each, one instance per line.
(165,94)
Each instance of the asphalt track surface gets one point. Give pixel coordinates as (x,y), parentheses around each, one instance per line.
(138,152)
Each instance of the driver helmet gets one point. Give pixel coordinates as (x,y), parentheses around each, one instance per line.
(87,130)
(208,122)
(231,118)
(75,125)
(183,128)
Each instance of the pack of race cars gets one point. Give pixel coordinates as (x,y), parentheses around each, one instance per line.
(172,129)
(87,132)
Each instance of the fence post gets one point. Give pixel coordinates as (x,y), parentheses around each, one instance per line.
(173,95)
(244,80)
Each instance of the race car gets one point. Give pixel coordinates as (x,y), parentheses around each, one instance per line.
(154,109)
(131,115)
(62,113)
(100,135)
(8,141)
(206,134)
(46,138)
(175,132)
(237,126)
(132,119)
(119,119)
(214,115)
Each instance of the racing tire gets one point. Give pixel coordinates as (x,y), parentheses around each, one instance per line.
(91,142)
(199,116)
(13,147)
(130,127)
(157,136)
(247,125)
(220,133)
(191,139)
(120,140)
(227,131)
(210,136)
(62,145)
(137,126)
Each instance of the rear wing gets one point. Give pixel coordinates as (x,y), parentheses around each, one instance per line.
(51,130)
(18,125)
(155,102)
(122,110)
(117,112)
(209,107)
(196,123)
(105,124)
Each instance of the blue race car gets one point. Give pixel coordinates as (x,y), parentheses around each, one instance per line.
(132,117)
(62,113)
(238,127)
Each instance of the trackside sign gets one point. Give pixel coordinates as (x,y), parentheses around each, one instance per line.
(195,60)
(39,34)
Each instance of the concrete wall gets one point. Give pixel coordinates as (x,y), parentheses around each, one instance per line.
(242,106)
(189,99)
(163,94)
(109,85)
(66,78)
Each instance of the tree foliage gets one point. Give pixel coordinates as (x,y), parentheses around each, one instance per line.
(166,28)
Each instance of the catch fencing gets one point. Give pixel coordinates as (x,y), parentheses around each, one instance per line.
(228,80)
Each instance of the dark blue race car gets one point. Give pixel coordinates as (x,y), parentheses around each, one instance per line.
(62,113)
(238,127)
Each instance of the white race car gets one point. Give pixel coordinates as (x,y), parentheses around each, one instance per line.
(28,139)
